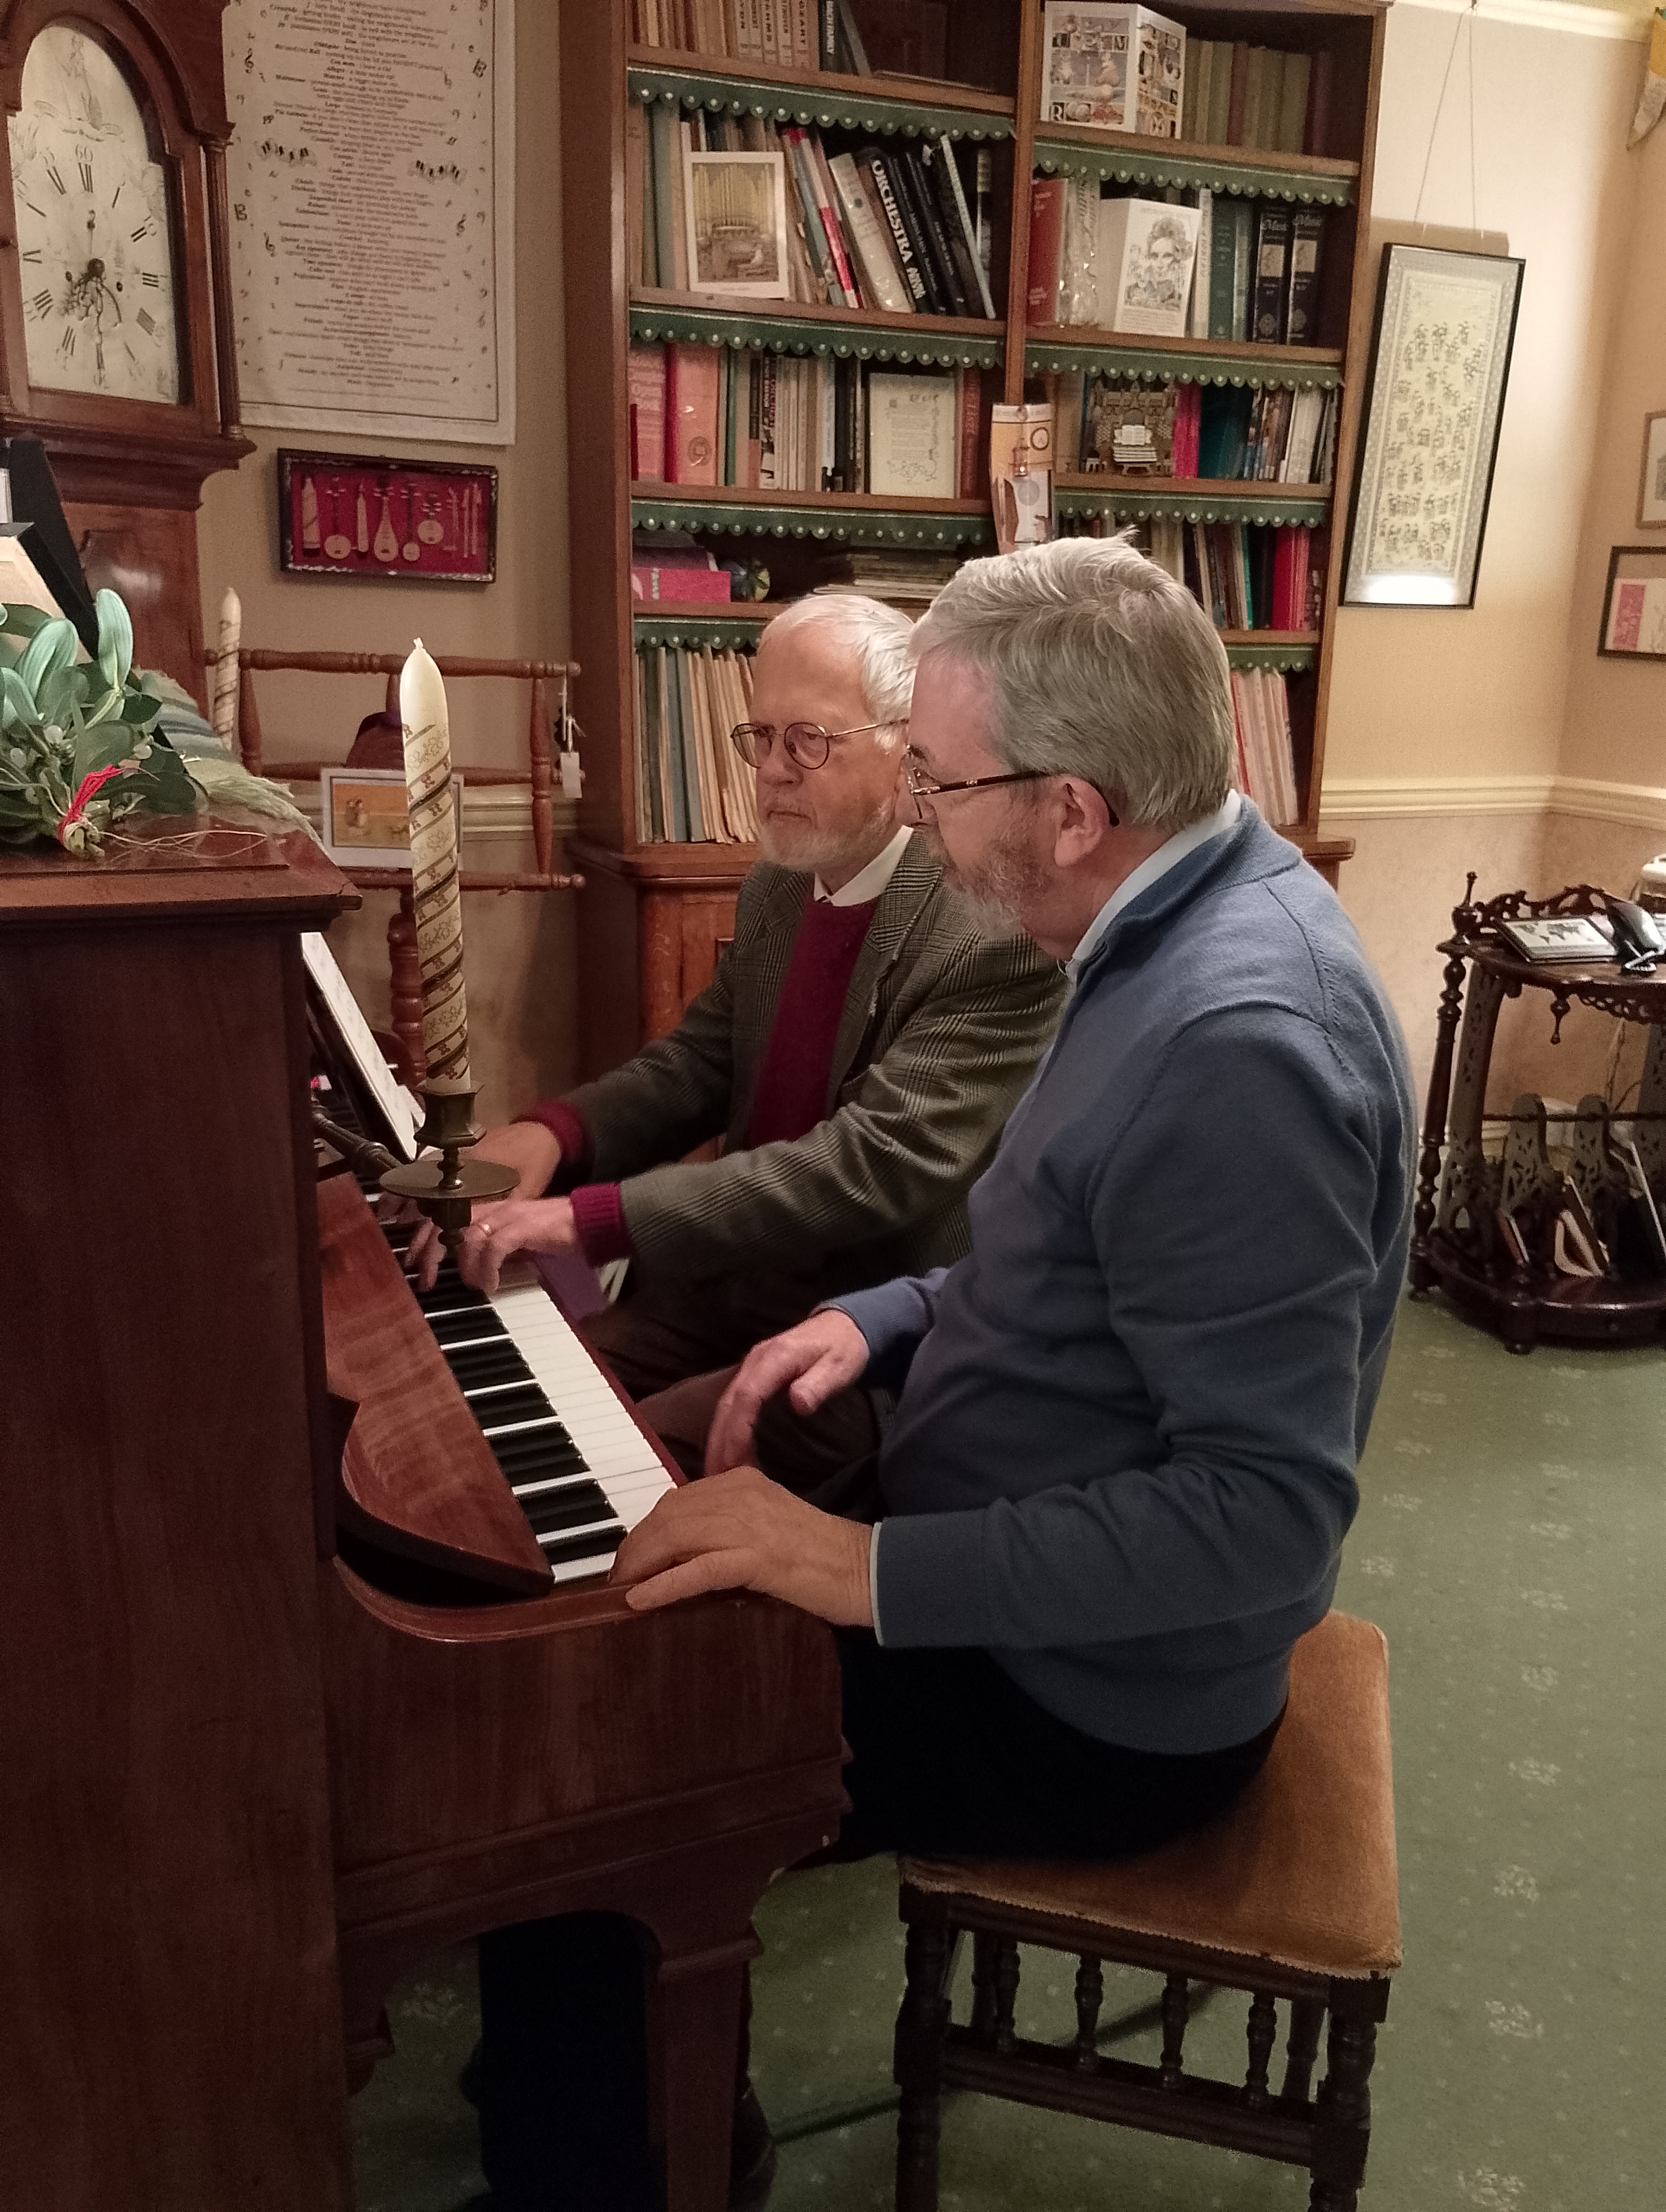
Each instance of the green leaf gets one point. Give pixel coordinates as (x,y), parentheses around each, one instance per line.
(16,699)
(57,692)
(52,647)
(138,711)
(115,653)
(101,748)
(24,622)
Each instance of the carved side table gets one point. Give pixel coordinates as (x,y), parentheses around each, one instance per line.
(1456,1241)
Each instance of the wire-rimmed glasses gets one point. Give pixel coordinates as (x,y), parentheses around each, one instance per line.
(806,743)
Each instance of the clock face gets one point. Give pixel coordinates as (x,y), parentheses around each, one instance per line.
(94,239)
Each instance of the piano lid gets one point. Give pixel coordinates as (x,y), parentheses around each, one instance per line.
(416,1477)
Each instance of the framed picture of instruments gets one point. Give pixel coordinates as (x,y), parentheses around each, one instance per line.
(347,514)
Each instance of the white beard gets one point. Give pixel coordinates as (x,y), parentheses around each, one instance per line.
(793,844)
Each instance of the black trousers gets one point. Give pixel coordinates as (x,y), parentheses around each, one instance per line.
(948,1755)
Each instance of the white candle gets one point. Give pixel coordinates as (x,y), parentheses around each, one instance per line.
(223,712)
(434,895)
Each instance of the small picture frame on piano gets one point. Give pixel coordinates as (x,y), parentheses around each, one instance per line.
(365,822)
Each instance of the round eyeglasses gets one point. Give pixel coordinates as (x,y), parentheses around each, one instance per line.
(806,743)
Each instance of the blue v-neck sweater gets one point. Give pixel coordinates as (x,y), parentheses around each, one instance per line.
(1123,1460)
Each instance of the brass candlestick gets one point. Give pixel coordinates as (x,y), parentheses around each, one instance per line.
(447,1190)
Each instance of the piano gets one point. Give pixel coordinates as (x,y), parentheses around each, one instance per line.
(306,1665)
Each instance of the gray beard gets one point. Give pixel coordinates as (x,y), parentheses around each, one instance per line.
(990,902)
(821,855)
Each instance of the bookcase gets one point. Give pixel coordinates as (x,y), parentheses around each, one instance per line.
(655,914)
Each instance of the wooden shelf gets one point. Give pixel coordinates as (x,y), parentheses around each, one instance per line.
(847,518)
(1050,346)
(794,327)
(1243,172)
(1193,499)
(912,105)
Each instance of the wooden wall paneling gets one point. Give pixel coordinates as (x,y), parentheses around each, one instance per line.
(171,2031)
(148,554)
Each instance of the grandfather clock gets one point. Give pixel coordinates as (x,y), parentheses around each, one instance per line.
(116,344)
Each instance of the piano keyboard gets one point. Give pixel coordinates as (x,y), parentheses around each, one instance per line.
(582,1471)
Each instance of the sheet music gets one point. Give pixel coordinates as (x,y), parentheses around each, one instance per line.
(396,1102)
(371,175)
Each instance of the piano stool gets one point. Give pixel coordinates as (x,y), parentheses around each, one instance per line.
(1291,1893)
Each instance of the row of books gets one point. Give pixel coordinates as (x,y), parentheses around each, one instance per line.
(1237,95)
(1246,576)
(1266,750)
(786,34)
(1192,265)
(692,787)
(1118,66)
(1217,433)
(891,227)
(707,415)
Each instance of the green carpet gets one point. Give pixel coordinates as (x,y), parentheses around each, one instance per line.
(1511,1542)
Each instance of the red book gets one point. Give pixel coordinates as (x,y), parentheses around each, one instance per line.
(647,414)
(677,586)
(971,399)
(1235,110)
(691,383)
(1187,418)
(1046,199)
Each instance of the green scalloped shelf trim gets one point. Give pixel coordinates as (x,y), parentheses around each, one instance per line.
(768,334)
(1173,365)
(1150,165)
(828,108)
(1133,503)
(835,526)
(688,628)
(1283,659)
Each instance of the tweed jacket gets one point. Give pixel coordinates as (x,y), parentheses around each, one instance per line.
(941,1032)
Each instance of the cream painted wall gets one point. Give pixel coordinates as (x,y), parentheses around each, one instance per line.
(519,947)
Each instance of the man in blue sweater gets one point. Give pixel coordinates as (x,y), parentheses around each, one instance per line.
(1123,1465)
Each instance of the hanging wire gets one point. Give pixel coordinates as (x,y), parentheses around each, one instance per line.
(1452,55)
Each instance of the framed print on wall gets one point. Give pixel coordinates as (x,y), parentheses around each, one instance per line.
(366,824)
(1440,360)
(1635,603)
(1651,492)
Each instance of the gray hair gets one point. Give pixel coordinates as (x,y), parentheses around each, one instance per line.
(879,637)
(1101,666)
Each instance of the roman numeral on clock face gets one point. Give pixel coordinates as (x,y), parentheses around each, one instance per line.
(86,168)
(66,344)
(53,178)
(150,279)
(42,303)
(31,253)
(143,230)
(145,322)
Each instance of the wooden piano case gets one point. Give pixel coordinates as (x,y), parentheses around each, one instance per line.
(243,1786)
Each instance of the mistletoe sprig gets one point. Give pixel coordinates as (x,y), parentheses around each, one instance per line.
(79,748)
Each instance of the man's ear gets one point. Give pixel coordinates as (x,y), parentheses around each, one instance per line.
(1085,821)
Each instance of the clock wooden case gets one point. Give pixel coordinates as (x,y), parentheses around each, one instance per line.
(131,454)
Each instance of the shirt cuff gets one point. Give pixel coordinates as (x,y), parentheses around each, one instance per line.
(568,1130)
(874,1579)
(599,1220)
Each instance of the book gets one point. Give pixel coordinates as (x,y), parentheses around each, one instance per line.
(1112,68)
(665,158)
(1220,92)
(1195,100)
(827,208)
(920,191)
(1197,313)
(1222,248)
(870,234)
(829,288)
(873,162)
(1272,289)
(1146,249)
(646,374)
(1188,423)
(973,266)
(968,415)
(1291,128)
(1557,937)
(1307,231)
(1244,246)
(677,586)
(1238,84)
(853,52)
(691,428)
(1316,137)
(913,426)
(1069,393)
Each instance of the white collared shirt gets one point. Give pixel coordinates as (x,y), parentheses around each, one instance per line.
(1154,865)
(869,882)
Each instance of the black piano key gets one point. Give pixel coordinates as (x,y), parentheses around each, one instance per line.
(452,1297)
(548,1442)
(527,1461)
(579,1508)
(504,1408)
(477,1364)
(467,1329)
(598,1544)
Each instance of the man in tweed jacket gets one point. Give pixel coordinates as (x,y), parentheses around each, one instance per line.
(858,1051)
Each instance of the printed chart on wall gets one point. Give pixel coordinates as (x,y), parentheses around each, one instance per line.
(374,141)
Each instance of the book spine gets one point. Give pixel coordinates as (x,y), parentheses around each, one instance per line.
(897,172)
(1186,415)
(1293,104)
(680,206)
(984,172)
(975,261)
(872,162)
(767,462)
(827,32)
(959,261)
(917,197)
(646,373)
(803,179)
(1188,95)
(1221,247)
(691,374)
(1047,204)
(855,54)
(1307,231)
(1317,136)
(881,274)
(1242,267)
(1235,94)
(827,411)
(1197,323)
(804,35)
(689,746)
(827,206)
(1272,253)
(665,155)
(970,403)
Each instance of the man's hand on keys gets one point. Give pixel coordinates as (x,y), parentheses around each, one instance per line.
(532,1151)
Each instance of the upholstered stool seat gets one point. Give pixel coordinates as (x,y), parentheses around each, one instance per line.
(1292,1894)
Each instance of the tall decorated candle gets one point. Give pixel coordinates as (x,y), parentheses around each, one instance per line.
(223,712)
(434,895)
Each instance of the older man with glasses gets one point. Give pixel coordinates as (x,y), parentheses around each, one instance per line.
(858,1051)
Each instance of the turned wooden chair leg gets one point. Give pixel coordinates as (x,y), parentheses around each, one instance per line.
(921,2026)
(1342,2116)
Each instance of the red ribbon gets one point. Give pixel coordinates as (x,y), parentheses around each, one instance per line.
(88,788)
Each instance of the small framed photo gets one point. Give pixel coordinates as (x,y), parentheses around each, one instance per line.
(1651,492)
(351,514)
(366,824)
(1635,603)
(736,207)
